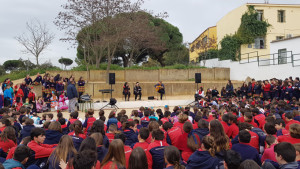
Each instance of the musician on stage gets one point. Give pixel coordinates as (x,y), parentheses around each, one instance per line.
(126,90)
(160,88)
(137,91)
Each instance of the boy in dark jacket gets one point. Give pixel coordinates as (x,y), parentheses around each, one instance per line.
(130,133)
(246,151)
(156,149)
(27,128)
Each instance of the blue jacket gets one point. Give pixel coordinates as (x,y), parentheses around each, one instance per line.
(26,131)
(201,132)
(11,163)
(247,152)
(52,137)
(105,141)
(59,87)
(101,151)
(71,91)
(77,142)
(7,93)
(131,137)
(203,160)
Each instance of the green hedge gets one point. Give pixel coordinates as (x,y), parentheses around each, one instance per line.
(135,67)
(15,75)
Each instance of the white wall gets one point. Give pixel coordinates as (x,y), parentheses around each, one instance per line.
(242,71)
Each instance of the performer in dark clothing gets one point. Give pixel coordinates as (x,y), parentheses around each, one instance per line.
(126,90)
(160,88)
(137,91)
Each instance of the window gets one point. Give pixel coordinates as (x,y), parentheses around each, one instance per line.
(279,37)
(281,16)
(260,14)
(282,56)
(204,40)
(192,48)
(198,45)
(259,43)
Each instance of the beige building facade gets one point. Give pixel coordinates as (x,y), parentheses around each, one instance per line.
(284,20)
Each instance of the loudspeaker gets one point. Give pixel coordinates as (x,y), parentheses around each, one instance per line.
(197,77)
(151,98)
(111,78)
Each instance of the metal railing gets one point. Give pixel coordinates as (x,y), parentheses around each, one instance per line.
(249,58)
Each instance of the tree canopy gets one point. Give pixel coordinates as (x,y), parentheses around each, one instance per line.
(11,65)
(137,36)
(65,61)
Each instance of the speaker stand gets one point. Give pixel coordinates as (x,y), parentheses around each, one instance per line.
(111,106)
(111,90)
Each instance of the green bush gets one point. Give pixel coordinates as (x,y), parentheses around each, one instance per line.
(15,75)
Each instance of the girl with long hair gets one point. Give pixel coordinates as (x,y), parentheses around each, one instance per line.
(65,150)
(172,158)
(138,159)
(204,157)
(88,144)
(115,157)
(221,140)
(101,150)
(7,140)
(77,133)
(99,127)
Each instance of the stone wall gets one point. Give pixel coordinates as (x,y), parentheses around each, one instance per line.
(208,74)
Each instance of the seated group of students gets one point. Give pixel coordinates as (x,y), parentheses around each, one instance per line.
(208,139)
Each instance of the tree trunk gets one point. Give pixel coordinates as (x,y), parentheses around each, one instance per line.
(37,60)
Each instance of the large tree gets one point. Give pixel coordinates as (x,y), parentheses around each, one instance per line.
(80,14)
(36,39)
(139,35)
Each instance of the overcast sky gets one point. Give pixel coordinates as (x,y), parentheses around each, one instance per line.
(190,16)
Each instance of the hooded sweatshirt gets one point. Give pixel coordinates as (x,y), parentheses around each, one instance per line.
(202,159)
(11,163)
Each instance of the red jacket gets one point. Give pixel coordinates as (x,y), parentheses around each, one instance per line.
(144,146)
(233,130)
(195,126)
(11,153)
(287,126)
(80,135)
(225,126)
(254,142)
(180,125)
(174,134)
(269,154)
(253,123)
(186,151)
(261,120)
(7,145)
(110,136)
(128,151)
(267,87)
(163,120)
(41,150)
(288,139)
(241,119)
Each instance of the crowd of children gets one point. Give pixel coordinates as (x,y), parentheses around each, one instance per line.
(247,131)
(230,134)
(53,93)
